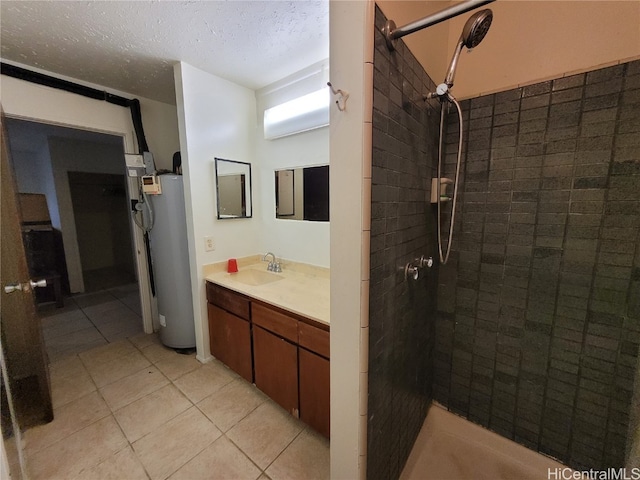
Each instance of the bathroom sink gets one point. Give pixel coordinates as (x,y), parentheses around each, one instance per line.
(255,277)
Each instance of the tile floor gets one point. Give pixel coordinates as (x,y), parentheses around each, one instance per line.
(91,320)
(126,407)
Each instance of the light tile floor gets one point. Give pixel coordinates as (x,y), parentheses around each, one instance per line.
(133,409)
(91,320)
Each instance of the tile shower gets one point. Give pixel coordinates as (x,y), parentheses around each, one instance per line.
(535,329)
(401,322)
(539,312)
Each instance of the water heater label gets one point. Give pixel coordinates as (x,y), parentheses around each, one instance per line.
(163,321)
(151,185)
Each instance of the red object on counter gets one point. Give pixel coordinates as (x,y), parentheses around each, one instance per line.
(232,265)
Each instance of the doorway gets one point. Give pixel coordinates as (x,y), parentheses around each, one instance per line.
(101,213)
(81,175)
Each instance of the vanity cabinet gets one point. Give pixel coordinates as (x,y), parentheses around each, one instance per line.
(230,330)
(291,363)
(284,354)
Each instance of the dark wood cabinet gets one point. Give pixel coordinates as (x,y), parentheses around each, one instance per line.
(230,340)
(275,355)
(314,391)
(229,334)
(276,368)
(284,354)
(313,365)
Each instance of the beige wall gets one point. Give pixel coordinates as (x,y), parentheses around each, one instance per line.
(529,41)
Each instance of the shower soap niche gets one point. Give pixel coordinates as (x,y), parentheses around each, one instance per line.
(445,196)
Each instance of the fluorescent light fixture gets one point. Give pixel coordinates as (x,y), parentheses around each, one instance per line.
(298,115)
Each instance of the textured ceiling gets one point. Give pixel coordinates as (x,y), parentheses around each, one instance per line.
(132,45)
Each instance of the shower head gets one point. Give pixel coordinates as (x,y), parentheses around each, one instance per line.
(473,33)
(476,28)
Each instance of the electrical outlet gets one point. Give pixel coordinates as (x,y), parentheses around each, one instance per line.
(208,244)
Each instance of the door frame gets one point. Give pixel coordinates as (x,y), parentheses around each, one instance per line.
(148,304)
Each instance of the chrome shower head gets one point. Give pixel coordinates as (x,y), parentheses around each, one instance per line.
(473,33)
(476,28)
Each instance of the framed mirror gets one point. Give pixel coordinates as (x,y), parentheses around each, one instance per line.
(303,193)
(233,189)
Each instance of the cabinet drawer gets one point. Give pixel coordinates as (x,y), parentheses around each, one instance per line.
(276,322)
(314,339)
(230,301)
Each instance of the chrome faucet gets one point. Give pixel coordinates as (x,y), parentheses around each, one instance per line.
(274,265)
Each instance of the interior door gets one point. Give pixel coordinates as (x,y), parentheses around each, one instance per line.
(22,339)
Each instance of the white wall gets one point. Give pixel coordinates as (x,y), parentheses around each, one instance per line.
(351,32)
(216,118)
(301,241)
(160,122)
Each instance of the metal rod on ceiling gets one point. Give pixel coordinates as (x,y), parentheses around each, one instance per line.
(393,33)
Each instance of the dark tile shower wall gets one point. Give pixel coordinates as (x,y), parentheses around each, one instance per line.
(402,313)
(539,309)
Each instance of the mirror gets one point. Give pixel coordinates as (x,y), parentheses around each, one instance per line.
(303,194)
(233,189)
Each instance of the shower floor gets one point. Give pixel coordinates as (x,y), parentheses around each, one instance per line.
(450,447)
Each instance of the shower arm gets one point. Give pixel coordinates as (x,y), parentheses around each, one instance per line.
(393,33)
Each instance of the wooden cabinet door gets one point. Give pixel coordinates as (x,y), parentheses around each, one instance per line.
(314,391)
(276,368)
(230,340)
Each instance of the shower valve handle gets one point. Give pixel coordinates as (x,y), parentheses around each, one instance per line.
(442,89)
(411,271)
(424,261)
(441,93)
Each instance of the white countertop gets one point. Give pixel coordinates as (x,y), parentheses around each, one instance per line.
(302,289)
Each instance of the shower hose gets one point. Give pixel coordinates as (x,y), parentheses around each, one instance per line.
(444,258)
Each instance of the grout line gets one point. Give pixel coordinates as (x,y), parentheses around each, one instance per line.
(285,448)
(224,434)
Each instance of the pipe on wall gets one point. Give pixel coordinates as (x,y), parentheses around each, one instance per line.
(53,82)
